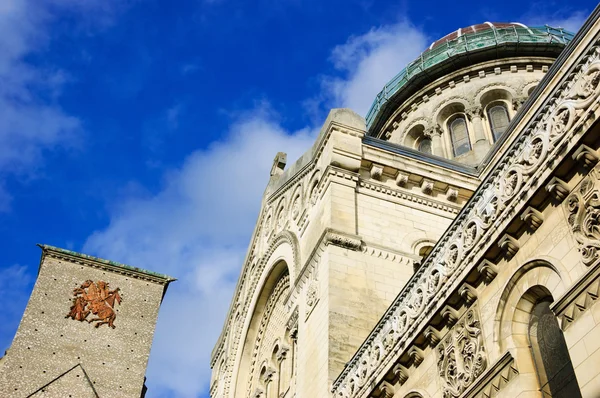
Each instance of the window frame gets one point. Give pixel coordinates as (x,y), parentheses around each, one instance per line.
(451,120)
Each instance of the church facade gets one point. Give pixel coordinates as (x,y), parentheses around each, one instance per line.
(448,245)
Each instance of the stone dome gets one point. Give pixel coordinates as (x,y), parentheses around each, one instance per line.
(462,48)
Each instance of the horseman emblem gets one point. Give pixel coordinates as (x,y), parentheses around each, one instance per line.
(95,298)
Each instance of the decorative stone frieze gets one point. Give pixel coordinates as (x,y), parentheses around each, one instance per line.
(343,240)
(586,156)
(583,216)
(461,357)
(494,379)
(532,217)
(544,139)
(583,294)
(558,188)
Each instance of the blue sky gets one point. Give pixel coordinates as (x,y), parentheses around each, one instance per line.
(144,131)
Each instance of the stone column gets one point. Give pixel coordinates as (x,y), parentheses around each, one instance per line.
(435,134)
(475,115)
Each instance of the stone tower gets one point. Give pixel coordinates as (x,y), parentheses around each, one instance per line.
(87,329)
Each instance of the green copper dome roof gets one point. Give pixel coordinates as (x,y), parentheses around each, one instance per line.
(464,47)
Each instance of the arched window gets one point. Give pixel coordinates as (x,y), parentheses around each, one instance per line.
(425,145)
(425,250)
(551,355)
(498,117)
(459,134)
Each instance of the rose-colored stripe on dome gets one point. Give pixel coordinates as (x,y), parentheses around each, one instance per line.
(474,29)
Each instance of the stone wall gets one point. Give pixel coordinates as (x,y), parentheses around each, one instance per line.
(53,354)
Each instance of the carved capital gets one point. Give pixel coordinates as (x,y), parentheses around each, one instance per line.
(488,270)
(401,373)
(474,112)
(258,393)
(416,354)
(401,179)
(558,188)
(509,244)
(518,102)
(282,353)
(586,156)
(432,131)
(432,335)
(450,315)
(376,171)
(427,186)
(532,217)
(468,293)
(268,376)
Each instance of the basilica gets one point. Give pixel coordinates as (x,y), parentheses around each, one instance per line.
(447,245)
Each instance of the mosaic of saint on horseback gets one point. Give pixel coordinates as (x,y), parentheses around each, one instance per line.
(97,299)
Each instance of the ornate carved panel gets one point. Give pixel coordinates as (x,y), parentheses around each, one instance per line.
(583,216)
(97,299)
(461,357)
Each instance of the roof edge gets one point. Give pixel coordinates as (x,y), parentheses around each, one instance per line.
(106,264)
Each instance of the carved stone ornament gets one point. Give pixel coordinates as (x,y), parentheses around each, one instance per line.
(452,194)
(296,206)
(401,179)
(461,356)
(376,171)
(583,216)
(427,186)
(97,299)
(537,147)
(474,112)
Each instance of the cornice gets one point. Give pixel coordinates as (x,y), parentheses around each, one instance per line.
(104,265)
(410,196)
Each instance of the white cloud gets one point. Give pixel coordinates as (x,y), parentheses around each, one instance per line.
(31,120)
(367,62)
(197,228)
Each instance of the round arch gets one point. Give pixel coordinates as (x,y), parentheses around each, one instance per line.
(537,280)
(281,258)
